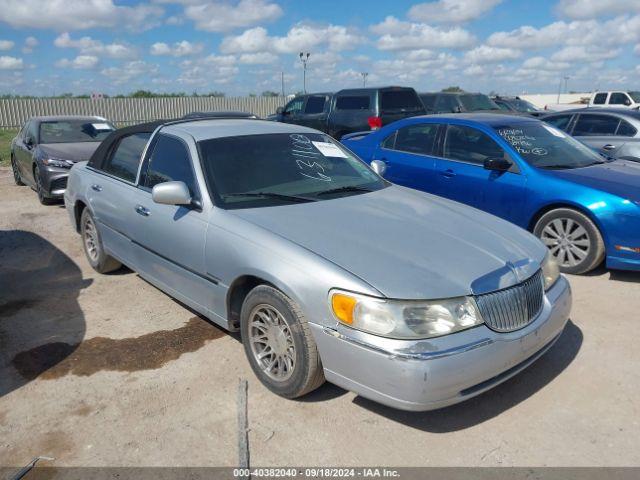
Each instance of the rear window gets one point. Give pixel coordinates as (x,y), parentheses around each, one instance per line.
(125,158)
(399,101)
(353,102)
(429,101)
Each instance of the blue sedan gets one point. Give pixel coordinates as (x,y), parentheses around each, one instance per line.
(584,207)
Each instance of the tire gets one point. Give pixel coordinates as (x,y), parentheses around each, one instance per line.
(16,173)
(92,244)
(42,196)
(271,322)
(572,238)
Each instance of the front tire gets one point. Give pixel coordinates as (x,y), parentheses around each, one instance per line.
(17,178)
(278,343)
(572,238)
(42,196)
(92,243)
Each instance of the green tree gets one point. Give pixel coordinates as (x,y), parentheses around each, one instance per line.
(453,89)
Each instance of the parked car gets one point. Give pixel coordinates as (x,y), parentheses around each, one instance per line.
(458,102)
(517,105)
(46,147)
(615,99)
(584,207)
(351,110)
(612,132)
(328,271)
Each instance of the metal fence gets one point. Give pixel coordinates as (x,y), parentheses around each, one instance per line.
(126,111)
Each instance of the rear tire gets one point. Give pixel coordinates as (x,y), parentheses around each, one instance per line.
(92,244)
(572,238)
(278,343)
(16,173)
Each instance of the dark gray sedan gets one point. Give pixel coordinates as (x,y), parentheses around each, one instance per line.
(47,147)
(612,132)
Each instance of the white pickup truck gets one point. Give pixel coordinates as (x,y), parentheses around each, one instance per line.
(616,99)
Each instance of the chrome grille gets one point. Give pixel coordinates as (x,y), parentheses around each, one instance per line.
(514,307)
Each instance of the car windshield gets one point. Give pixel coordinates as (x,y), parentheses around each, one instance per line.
(523,106)
(74,131)
(635,96)
(473,102)
(544,146)
(276,169)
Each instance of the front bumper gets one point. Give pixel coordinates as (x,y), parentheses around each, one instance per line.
(433,373)
(54,181)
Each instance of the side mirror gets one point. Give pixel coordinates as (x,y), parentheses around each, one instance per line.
(28,141)
(497,164)
(457,109)
(627,102)
(171,193)
(379,167)
(279,111)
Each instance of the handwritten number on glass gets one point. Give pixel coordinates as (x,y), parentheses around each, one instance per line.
(306,155)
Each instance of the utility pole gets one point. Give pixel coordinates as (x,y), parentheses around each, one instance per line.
(304,57)
(282,82)
(364,79)
(565,84)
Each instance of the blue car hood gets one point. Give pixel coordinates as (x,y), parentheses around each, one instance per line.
(408,244)
(620,177)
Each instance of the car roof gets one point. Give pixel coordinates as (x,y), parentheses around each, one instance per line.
(51,118)
(491,119)
(451,93)
(370,89)
(218,128)
(627,112)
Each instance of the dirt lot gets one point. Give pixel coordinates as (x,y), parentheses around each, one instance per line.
(108,371)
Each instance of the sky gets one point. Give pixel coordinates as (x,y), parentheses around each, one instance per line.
(240,47)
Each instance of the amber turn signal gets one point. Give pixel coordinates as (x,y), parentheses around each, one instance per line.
(343,307)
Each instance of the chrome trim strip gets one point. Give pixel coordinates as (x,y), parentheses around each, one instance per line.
(410,356)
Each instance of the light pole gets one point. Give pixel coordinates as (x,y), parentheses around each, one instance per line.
(304,57)
(565,84)
(364,79)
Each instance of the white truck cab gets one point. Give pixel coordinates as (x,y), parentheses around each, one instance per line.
(616,99)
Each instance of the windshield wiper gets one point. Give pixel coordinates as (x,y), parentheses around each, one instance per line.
(559,167)
(281,196)
(348,188)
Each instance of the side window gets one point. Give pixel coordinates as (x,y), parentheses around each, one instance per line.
(353,102)
(294,106)
(502,105)
(315,104)
(561,121)
(169,162)
(428,101)
(446,103)
(600,98)
(32,132)
(389,142)
(125,158)
(619,98)
(592,125)
(417,139)
(470,145)
(625,129)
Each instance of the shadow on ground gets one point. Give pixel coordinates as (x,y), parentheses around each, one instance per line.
(615,275)
(495,401)
(39,289)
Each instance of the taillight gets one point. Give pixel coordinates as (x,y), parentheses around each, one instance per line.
(374,123)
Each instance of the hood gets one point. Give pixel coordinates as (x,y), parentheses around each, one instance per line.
(76,152)
(408,244)
(620,177)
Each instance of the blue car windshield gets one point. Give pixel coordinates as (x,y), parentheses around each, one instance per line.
(544,146)
(273,169)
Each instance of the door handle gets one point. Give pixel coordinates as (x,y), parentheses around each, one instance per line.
(448,173)
(96,187)
(608,146)
(142,211)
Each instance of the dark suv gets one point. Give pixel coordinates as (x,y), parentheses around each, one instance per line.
(458,102)
(351,110)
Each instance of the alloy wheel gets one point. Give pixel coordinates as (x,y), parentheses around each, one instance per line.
(91,239)
(16,174)
(272,342)
(567,240)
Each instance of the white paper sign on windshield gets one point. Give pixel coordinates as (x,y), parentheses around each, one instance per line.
(101,126)
(329,149)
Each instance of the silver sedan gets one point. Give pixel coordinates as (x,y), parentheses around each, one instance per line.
(328,271)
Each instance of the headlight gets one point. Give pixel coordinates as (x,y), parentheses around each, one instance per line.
(57,162)
(405,319)
(550,271)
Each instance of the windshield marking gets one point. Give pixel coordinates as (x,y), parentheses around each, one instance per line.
(302,148)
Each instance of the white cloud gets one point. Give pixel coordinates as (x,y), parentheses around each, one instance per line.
(6,44)
(399,35)
(451,11)
(300,37)
(29,44)
(130,71)
(258,58)
(582,9)
(11,63)
(179,49)
(218,69)
(584,54)
(488,54)
(219,16)
(636,49)
(81,62)
(65,15)
(89,46)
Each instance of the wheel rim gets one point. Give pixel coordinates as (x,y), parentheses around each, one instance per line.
(39,185)
(91,239)
(271,342)
(14,167)
(568,241)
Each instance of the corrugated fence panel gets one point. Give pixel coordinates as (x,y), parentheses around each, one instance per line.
(127,111)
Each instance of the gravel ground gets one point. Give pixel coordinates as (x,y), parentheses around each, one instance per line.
(106,370)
